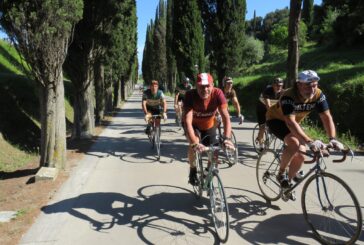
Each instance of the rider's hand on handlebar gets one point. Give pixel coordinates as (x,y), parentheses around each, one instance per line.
(336,144)
(165,116)
(316,145)
(241,119)
(198,147)
(147,117)
(229,145)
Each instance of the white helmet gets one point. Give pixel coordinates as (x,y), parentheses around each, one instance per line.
(308,76)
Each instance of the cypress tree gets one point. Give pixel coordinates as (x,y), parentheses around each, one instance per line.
(188,40)
(307,13)
(231,26)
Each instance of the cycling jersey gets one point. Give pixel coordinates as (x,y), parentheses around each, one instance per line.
(204,110)
(268,93)
(182,89)
(291,103)
(154,102)
(230,95)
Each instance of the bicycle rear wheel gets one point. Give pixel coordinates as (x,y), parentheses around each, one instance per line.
(219,207)
(331,209)
(256,145)
(267,170)
(232,156)
(157,141)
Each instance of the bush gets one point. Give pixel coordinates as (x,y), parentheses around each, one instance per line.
(253,51)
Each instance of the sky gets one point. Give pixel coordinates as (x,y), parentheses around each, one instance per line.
(146,11)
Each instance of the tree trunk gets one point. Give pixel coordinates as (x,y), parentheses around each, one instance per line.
(123,89)
(99,92)
(293,52)
(53,124)
(108,99)
(84,120)
(117,96)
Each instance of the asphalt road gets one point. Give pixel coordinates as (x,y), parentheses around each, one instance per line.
(120,194)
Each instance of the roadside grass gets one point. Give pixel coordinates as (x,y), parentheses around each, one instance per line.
(19,105)
(342,77)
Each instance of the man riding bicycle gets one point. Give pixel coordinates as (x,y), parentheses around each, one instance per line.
(284,118)
(180,92)
(267,98)
(153,103)
(200,107)
(230,96)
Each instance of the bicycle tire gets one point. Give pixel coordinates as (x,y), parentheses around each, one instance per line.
(254,136)
(266,172)
(232,157)
(198,189)
(331,224)
(151,136)
(218,205)
(157,140)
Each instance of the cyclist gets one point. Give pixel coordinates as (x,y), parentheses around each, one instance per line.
(267,98)
(200,107)
(230,96)
(153,103)
(284,118)
(180,92)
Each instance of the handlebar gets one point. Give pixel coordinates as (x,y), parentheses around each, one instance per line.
(325,153)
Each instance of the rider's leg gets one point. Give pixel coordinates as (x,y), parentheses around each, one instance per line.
(261,133)
(290,154)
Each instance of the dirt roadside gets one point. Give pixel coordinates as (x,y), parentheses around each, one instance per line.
(19,192)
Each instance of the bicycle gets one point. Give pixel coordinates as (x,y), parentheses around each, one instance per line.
(329,206)
(154,133)
(269,140)
(231,156)
(210,182)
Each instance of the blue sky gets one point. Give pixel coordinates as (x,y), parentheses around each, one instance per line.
(146,11)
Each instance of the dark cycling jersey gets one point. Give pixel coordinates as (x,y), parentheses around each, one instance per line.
(204,110)
(291,103)
(154,102)
(268,93)
(182,89)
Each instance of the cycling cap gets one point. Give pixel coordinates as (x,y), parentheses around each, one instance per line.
(187,79)
(228,80)
(308,76)
(278,80)
(154,82)
(204,79)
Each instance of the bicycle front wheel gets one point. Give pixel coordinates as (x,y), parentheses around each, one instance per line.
(219,208)
(232,156)
(267,170)
(331,209)
(256,145)
(157,141)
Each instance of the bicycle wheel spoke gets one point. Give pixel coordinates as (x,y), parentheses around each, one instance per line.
(219,208)
(266,171)
(331,209)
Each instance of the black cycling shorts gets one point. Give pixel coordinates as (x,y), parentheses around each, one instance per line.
(154,111)
(261,111)
(278,128)
(208,137)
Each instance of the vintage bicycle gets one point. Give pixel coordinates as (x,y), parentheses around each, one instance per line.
(154,134)
(329,206)
(208,180)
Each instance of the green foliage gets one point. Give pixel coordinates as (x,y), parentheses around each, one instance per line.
(253,51)
(307,12)
(188,40)
(279,35)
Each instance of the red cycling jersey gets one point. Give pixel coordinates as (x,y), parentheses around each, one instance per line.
(204,110)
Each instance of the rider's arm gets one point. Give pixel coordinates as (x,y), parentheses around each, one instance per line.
(267,103)
(164,106)
(236,105)
(188,116)
(176,98)
(226,120)
(144,106)
(296,129)
(328,123)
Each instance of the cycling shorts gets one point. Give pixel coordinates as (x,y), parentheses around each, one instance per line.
(208,137)
(278,128)
(261,111)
